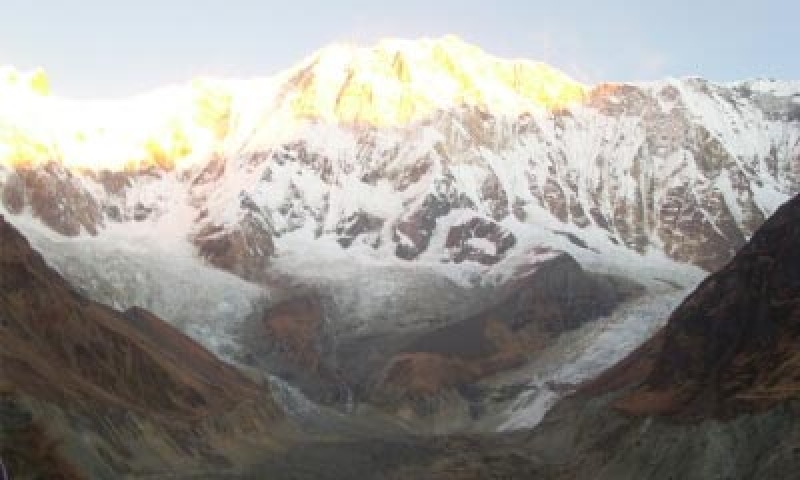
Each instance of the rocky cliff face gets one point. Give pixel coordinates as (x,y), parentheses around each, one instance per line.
(677,166)
(127,394)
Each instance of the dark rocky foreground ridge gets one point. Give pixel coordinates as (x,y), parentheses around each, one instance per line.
(86,389)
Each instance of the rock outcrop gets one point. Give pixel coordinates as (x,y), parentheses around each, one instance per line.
(243,249)
(479,240)
(56,196)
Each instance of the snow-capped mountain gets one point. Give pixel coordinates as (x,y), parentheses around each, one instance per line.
(429,148)
(408,182)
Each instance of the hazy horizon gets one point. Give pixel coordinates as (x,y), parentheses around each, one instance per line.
(103,50)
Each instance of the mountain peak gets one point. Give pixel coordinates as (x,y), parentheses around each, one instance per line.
(396,82)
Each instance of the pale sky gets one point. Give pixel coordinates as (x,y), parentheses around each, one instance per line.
(102,48)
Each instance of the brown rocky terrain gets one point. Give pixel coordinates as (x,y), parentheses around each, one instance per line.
(243,250)
(28,450)
(123,393)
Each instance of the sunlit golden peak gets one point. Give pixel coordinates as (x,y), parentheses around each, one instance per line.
(397,81)
(390,84)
